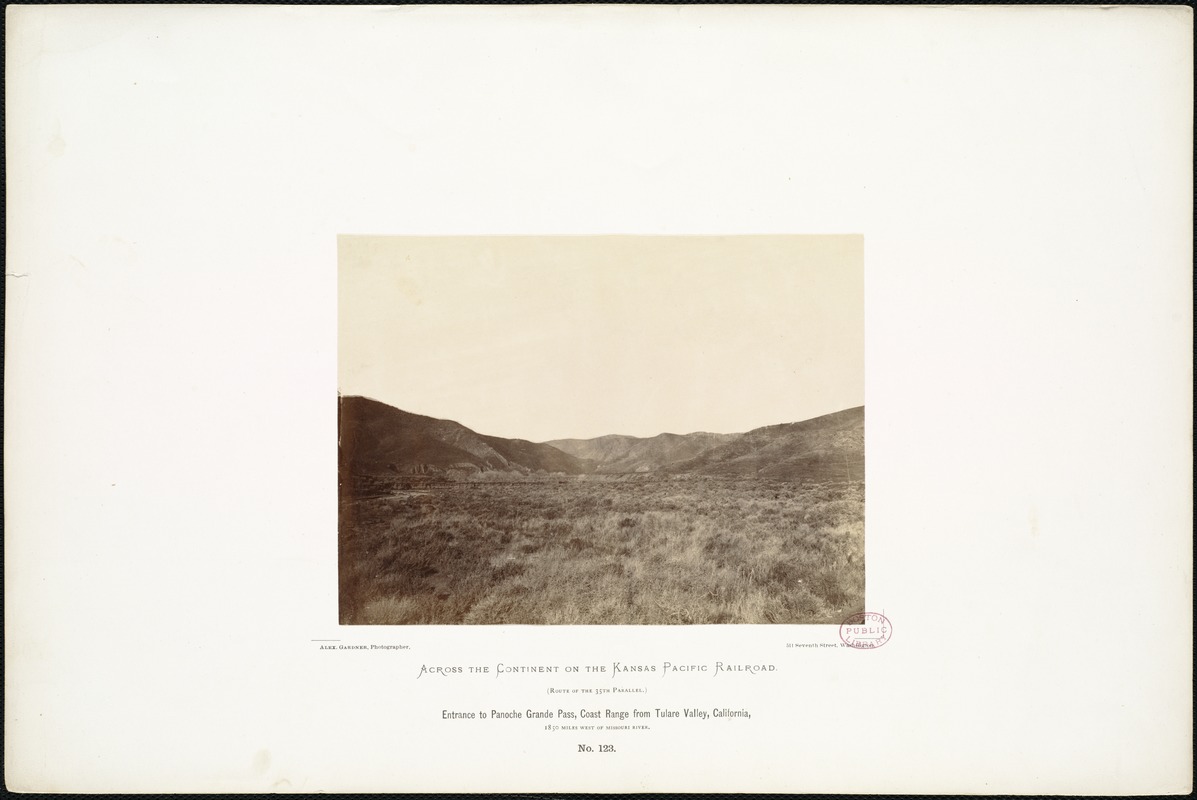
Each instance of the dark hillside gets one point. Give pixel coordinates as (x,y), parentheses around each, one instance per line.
(378,439)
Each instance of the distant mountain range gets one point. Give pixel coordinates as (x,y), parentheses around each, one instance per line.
(617,453)
(378,440)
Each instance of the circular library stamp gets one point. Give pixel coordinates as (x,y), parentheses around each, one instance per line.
(866,630)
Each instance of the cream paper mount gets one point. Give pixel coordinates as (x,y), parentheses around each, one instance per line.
(1015,182)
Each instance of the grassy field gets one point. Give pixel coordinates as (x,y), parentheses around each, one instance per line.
(604,551)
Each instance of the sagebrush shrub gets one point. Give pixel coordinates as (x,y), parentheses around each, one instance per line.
(605,550)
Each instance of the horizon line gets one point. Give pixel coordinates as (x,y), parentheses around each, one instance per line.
(341,395)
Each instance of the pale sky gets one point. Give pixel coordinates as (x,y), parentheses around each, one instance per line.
(574,337)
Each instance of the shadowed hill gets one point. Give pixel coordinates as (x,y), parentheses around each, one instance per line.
(378,439)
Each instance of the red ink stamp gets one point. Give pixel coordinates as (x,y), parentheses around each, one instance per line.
(866,630)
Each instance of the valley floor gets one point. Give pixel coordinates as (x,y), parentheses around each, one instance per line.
(577,551)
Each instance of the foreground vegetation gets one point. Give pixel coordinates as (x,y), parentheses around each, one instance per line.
(618,551)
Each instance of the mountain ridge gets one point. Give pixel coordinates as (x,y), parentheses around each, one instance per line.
(379,439)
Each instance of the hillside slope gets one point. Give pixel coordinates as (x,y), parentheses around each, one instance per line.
(830,447)
(378,439)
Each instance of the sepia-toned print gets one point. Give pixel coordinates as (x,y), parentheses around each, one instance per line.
(601,430)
